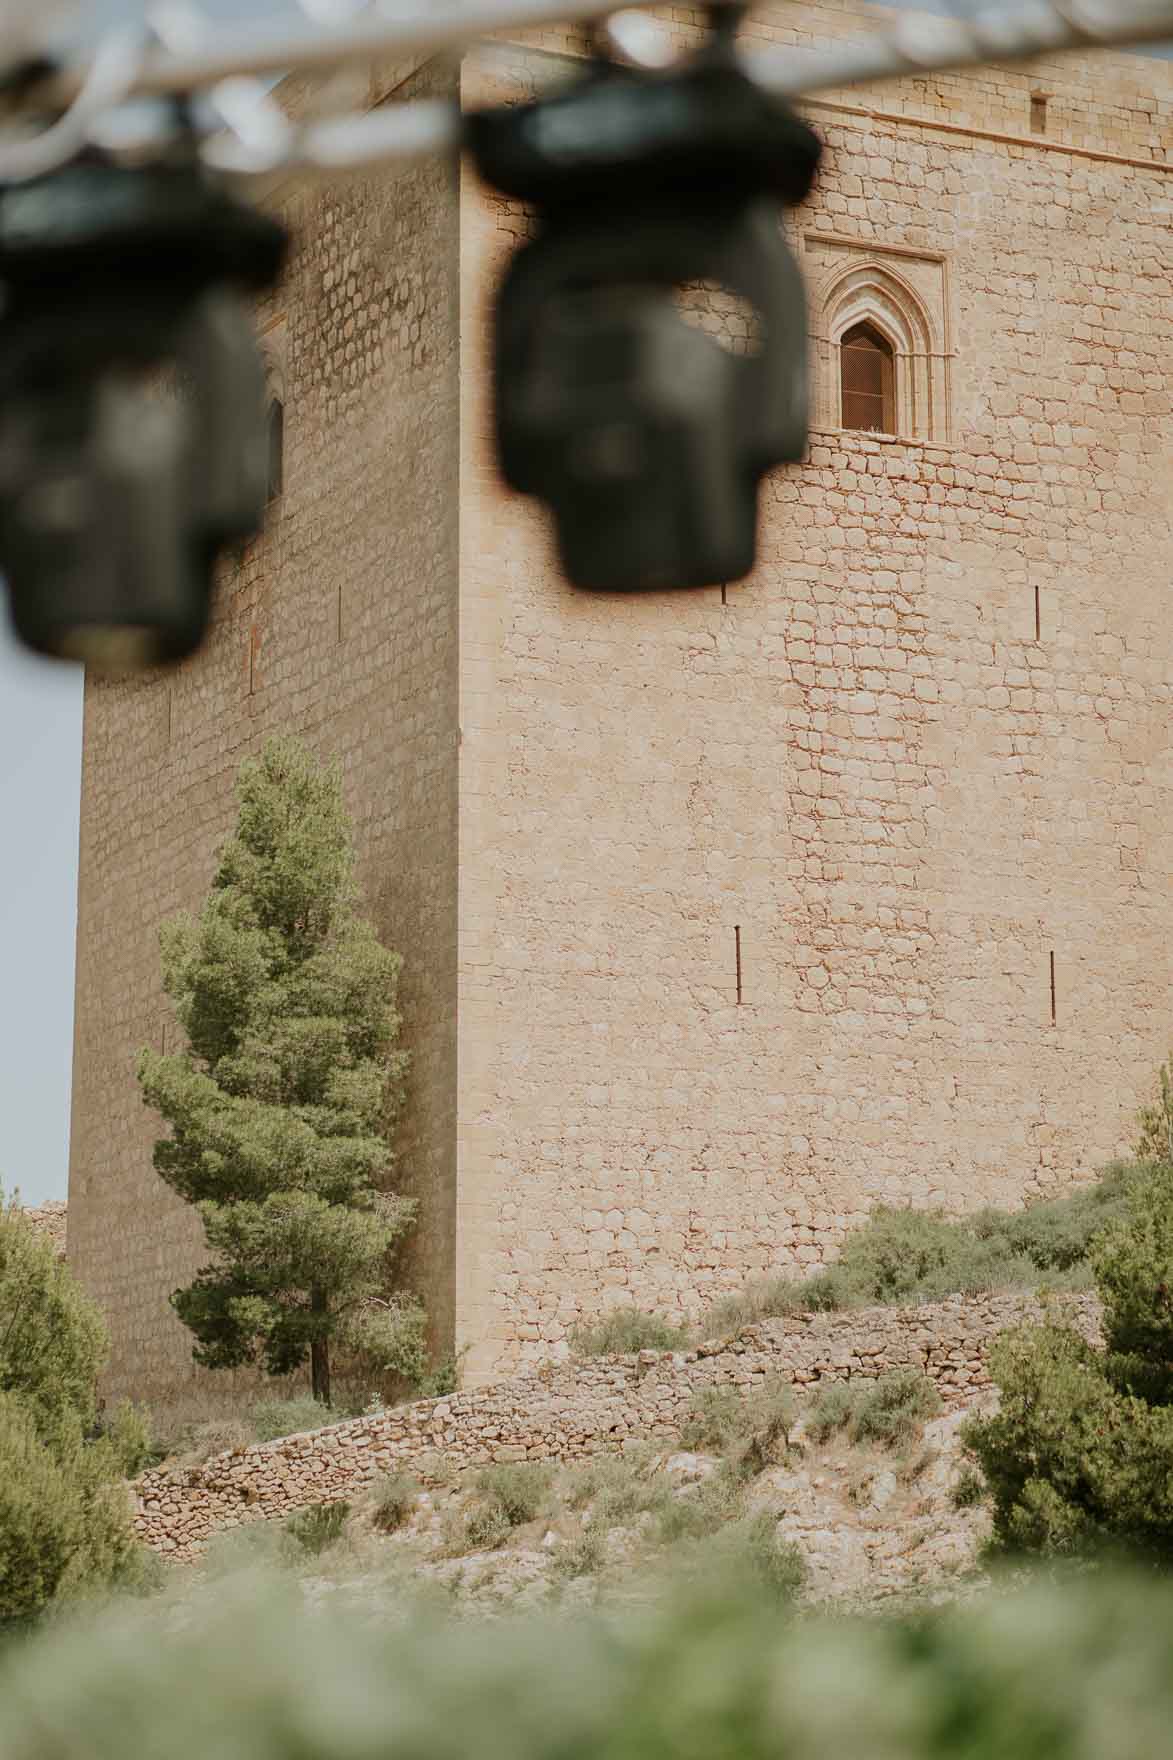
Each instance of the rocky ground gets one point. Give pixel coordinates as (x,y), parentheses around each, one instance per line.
(874,1526)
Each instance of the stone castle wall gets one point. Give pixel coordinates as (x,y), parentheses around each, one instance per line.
(340,624)
(848,884)
(912,780)
(566,1411)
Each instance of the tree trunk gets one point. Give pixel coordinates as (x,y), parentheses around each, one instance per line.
(320,1353)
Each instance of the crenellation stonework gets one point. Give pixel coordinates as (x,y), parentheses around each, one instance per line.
(726,915)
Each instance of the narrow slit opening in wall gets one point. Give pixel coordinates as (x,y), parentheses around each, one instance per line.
(1054,996)
(170,712)
(1038,113)
(1038,615)
(340,611)
(737,958)
(724,595)
(252,659)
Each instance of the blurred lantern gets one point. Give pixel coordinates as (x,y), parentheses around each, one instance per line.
(647,438)
(133,442)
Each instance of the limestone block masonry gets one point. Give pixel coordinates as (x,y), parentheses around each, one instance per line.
(726,915)
(49,1219)
(566,1411)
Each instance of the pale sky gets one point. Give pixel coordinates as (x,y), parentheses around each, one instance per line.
(40,769)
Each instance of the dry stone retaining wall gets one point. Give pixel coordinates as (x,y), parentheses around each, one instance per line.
(49,1219)
(565,1411)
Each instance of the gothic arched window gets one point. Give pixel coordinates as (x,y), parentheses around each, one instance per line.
(867,365)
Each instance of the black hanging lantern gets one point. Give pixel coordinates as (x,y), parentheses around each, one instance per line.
(644,435)
(133,445)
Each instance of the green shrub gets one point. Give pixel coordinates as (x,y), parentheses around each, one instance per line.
(127,1433)
(1078,1458)
(270,1419)
(394,1500)
(53,1341)
(65,1516)
(892,1410)
(698,1511)
(831,1410)
(624,1331)
(617,1488)
(505,1496)
(443,1379)
(584,1557)
(750,1428)
(906,1256)
(203,1442)
(889,1411)
(42,1522)
(316,1529)
(252,1547)
(519,1488)
(481,1527)
(767,1298)
(969,1491)
(1155,1142)
(1069,1671)
(1058,1235)
(749,1549)
(919,1255)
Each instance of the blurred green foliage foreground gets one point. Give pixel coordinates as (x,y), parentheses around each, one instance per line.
(1068,1670)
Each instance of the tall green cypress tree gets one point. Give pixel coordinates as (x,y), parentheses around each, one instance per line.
(282,1103)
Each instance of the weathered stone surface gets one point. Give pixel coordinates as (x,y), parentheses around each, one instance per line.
(575,1409)
(922,750)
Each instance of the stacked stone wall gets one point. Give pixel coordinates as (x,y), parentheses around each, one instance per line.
(49,1219)
(848,883)
(566,1411)
(339,625)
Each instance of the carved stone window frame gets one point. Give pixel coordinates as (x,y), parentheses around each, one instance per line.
(869,288)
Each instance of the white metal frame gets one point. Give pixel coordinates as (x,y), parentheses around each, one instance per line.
(249,136)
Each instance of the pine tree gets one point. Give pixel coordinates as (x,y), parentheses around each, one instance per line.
(282,1102)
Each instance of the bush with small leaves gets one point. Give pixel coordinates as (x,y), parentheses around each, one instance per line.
(270,1419)
(520,1489)
(907,1256)
(1155,1142)
(1059,1235)
(767,1298)
(1067,1670)
(617,1489)
(65,1515)
(505,1496)
(890,1411)
(969,1490)
(316,1529)
(584,1557)
(442,1379)
(831,1410)
(751,1549)
(1077,1458)
(697,1511)
(624,1331)
(482,1527)
(393,1501)
(751,1428)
